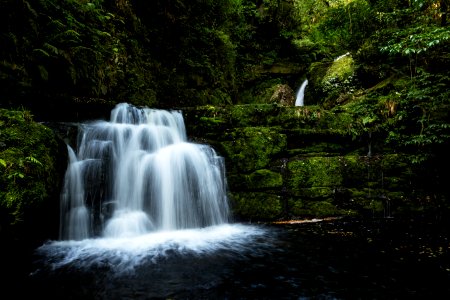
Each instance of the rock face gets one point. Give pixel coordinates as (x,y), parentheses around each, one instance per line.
(294,162)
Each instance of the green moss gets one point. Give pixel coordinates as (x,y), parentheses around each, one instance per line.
(260,206)
(263,179)
(252,114)
(315,172)
(340,69)
(333,82)
(206,121)
(316,193)
(314,141)
(259,92)
(259,180)
(252,148)
(324,209)
(304,117)
(355,170)
(312,155)
(306,208)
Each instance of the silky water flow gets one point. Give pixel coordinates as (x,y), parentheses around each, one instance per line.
(136,189)
(137,174)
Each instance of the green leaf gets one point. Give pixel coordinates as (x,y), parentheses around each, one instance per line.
(42,52)
(33,160)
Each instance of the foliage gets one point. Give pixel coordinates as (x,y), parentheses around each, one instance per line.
(337,26)
(423,122)
(29,168)
(59,47)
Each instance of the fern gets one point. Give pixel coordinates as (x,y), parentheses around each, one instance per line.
(41,52)
(52,48)
(33,160)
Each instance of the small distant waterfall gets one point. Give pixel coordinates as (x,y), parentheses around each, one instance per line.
(137,174)
(301,93)
(342,56)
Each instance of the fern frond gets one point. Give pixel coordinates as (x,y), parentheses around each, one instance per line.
(41,51)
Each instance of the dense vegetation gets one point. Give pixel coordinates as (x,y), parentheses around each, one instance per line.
(172,53)
(183,53)
(32,165)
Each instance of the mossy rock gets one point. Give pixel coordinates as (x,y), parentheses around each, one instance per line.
(304,208)
(314,172)
(283,95)
(375,202)
(260,91)
(251,148)
(263,179)
(253,114)
(206,121)
(304,117)
(257,206)
(317,193)
(314,117)
(314,141)
(331,81)
(355,170)
(340,69)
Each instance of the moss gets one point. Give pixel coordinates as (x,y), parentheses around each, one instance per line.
(206,121)
(259,180)
(260,206)
(312,154)
(252,148)
(315,172)
(302,208)
(313,141)
(333,82)
(355,171)
(252,115)
(305,117)
(263,179)
(260,91)
(340,69)
(317,193)
(256,115)
(374,202)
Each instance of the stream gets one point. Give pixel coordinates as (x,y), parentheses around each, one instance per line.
(329,259)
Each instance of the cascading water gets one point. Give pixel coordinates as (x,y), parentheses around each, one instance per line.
(301,93)
(144,214)
(138,174)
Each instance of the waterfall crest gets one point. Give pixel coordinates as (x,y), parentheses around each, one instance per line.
(138,173)
(301,93)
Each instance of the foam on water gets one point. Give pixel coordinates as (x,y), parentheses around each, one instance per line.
(125,253)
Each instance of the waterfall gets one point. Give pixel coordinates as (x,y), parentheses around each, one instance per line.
(341,56)
(301,93)
(137,174)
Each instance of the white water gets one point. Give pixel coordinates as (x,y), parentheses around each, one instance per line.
(136,191)
(138,174)
(301,93)
(341,56)
(122,255)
